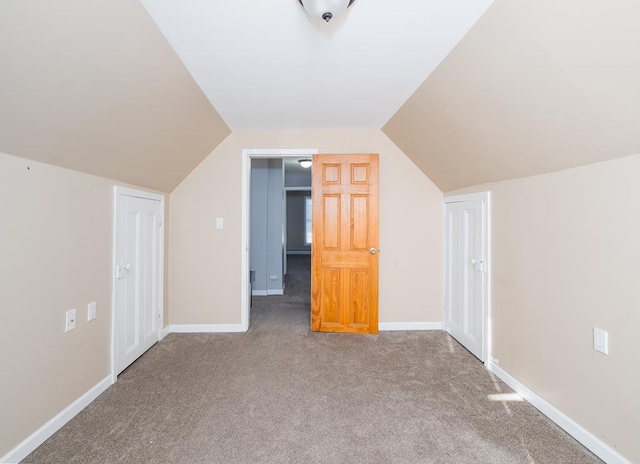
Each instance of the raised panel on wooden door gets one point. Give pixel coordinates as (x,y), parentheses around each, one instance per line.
(331,174)
(330,304)
(359,222)
(360,174)
(331,224)
(359,297)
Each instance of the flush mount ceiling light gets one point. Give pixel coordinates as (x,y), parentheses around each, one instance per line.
(305,163)
(326,9)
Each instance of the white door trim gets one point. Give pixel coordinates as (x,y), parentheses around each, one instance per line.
(485,197)
(125,191)
(247,155)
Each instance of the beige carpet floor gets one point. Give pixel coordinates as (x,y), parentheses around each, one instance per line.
(282,394)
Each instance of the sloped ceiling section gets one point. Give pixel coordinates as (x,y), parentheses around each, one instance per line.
(95,87)
(534,87)
(267,65)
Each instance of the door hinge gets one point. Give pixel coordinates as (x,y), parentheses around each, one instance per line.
(160,223)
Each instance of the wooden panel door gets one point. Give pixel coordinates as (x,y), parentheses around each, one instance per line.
(344,274)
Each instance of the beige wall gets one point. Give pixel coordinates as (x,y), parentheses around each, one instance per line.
(566,253)
(205,263)
(55,244)
(99,77)
(56,238)
(534,87)
(565,259)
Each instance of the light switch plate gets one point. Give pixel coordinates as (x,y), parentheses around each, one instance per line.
(600,340)
(70,320)
(219,223)
(91,311)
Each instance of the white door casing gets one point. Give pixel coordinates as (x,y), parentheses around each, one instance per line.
(247,155)
(466,280)
(138,282)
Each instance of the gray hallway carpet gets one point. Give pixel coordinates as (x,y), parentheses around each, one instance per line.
(282,394)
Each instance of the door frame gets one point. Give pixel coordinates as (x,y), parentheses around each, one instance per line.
(485,197)
(247,155)
(126,191)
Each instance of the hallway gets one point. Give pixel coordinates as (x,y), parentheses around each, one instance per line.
(292,310)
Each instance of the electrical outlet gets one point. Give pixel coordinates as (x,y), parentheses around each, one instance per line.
(91,311)
(600,340)
(70,320)
(219,223)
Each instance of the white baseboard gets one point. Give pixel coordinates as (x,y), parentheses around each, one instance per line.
(590,441)
(205,328)
(384,326)
(38,437)
(275,292)
(220,328)
(164,332)
(259,292)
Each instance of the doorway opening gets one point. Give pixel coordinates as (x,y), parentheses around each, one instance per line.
(266,236)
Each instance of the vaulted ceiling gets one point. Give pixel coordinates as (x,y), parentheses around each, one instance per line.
(534,87)
(94,86)
(268,65)
(472,91)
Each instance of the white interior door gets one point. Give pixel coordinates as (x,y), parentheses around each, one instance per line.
(466,278)
(138,288)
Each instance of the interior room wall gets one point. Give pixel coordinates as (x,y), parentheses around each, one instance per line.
(296,222)
(56,243)
(275,227)
(297,179)
(259,217)
(74,84)
(205,261)
(267,222)
(294,177)
(532,88)
(565,253)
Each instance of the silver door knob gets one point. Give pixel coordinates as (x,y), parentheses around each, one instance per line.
(373,251)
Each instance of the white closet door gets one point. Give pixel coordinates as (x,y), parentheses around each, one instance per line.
(465,273)
(138,277)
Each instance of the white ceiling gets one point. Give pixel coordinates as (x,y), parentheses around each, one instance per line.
(266,65)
